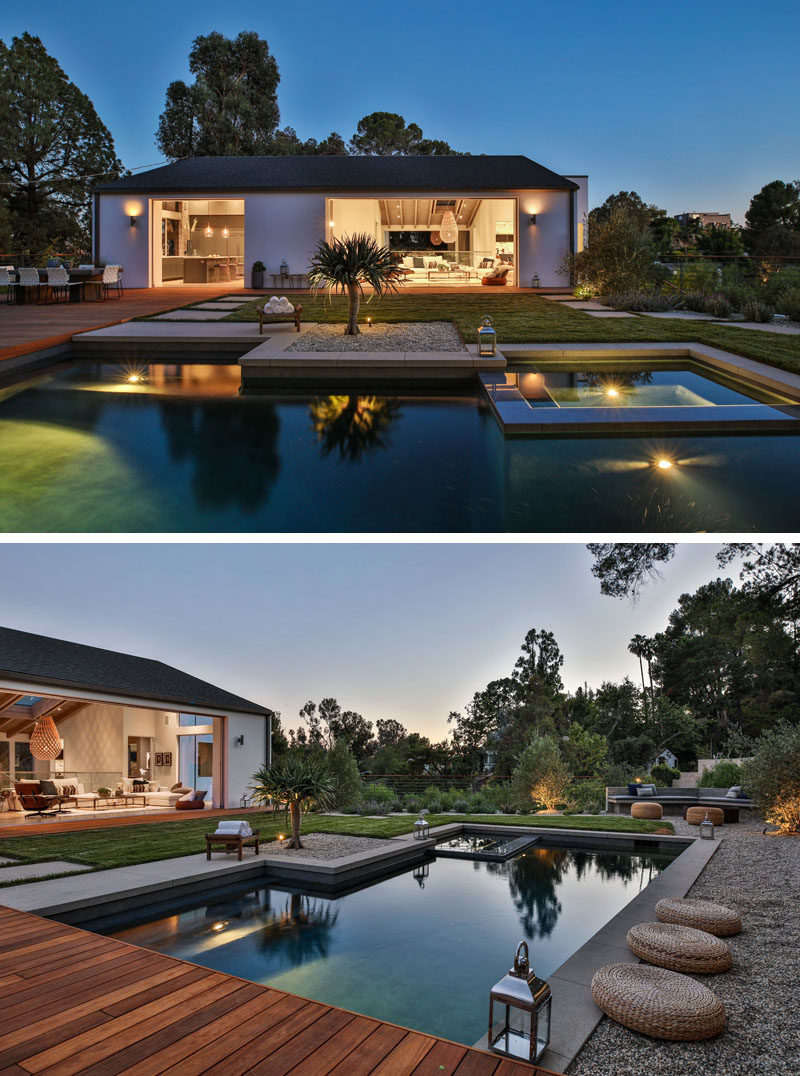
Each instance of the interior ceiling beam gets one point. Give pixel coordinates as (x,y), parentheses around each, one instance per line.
(46,706)
(9,699)
(19,725)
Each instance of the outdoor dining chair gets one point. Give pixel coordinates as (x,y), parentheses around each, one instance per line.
(58,282)
(111,280)
(29,278)
(8,281)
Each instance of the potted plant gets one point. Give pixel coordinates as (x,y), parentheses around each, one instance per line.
(104,793)
(257,275)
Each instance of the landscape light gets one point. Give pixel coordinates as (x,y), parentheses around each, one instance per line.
(612,392)
(134,379)
(664,464)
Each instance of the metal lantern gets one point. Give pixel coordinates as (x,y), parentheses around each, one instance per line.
(284,268)
(421,828)
(487,338)
(525,1030)
(535,280)
(707,829)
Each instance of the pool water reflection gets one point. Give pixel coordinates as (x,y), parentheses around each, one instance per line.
(422,948)
(179,449)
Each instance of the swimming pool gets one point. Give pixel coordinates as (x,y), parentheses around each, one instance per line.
(84,448)
(422,948)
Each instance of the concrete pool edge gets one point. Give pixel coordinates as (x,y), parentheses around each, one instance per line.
(515,416)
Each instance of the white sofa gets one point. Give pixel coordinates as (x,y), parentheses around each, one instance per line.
(436,264)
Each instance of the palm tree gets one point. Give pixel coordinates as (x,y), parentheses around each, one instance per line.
(295,782)
(638,646)
(347,264)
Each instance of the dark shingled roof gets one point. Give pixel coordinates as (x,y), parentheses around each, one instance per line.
(327,173)
(57,663)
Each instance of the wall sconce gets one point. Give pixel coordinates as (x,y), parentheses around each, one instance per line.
(239,741)
(133,221)
(533,218)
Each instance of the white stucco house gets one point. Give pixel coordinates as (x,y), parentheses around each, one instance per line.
(448,218)
(122,722)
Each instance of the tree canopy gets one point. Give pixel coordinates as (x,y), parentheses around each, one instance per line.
(773,219)
(53,149)
(387,133)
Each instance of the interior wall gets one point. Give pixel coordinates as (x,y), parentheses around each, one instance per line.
(352,215)
(484,224)
(92,740)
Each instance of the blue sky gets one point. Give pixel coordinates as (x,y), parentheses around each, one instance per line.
(692,104)
(407,631)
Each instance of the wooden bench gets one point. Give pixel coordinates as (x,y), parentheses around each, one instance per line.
(231,842)
(295,317)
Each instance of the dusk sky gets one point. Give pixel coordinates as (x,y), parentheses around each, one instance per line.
(404,631)
(694,105)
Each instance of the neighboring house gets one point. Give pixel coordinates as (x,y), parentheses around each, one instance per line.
(121,717)
(207,219)
(722,220)
(666,758)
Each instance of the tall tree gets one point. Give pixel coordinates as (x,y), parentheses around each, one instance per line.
(387,134)
(773,220)
(624,567)
(231,108)
(53,149)
(638,646)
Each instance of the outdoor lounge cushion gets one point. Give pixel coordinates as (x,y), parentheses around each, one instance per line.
(646,790)
(633,789)
(734,792)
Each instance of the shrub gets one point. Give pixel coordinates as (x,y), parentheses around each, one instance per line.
(259,267)
(541,776)
(737,294)
(788,303)
(583,291)
(723,775)
(373,807)
(719,305)
(694,300)
(460,806)
(379,793)
(435,806)
(620,256)
(479,804)
(412,803)
(664,775)
(343,769)
(498,796)
(772,776)
(654,301)
(587,798)
(756,310)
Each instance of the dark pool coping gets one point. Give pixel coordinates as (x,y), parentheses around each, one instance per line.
(515,415)
(80,899)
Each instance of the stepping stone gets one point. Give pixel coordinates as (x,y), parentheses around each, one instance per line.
(221,308)
(609,314)
(39,870)
(4,860)
(586,304)
(190,315)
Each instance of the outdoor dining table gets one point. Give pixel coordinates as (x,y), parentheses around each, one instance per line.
(86,277)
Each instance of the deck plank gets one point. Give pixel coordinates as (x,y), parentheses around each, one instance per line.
(79,1004)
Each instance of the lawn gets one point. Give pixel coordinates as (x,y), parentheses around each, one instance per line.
(521,318)
(102,849)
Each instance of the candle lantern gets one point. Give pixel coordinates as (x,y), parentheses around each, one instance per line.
(707,829)
(487,338)
(420,873)
(524,1031)
(284,268)
(421,828)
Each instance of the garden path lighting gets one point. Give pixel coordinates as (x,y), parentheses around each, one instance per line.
(524,1032)
(707,829)
(422,828)
(487,338)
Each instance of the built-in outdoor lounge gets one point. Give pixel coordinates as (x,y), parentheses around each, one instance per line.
(85,730)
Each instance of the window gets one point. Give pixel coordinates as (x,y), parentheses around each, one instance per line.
(195,761)
(23,759)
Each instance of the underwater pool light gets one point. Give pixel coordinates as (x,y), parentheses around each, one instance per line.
(664,464)
(134,379)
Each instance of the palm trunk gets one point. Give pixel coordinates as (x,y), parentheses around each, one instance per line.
(296,813)
(352,318)
(644,689)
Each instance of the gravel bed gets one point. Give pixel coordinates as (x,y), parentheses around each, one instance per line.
(759,876)
(326,846)
(404,336)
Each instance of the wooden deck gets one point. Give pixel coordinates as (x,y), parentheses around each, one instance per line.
(37,326)
(77,1004)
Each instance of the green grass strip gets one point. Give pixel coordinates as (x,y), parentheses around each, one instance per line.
(123,846)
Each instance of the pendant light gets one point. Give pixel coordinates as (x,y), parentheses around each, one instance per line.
(449,229)
(209,232)
(436,239)
(45,742)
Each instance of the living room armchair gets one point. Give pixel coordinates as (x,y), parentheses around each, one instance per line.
(34,801)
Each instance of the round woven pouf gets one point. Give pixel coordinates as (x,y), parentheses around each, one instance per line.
(696,815)
(646,810)
(679,948)
(703,914)
(659,1003)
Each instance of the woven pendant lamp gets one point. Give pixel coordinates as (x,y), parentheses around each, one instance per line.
(449,228)
(45,742)
(436,239)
